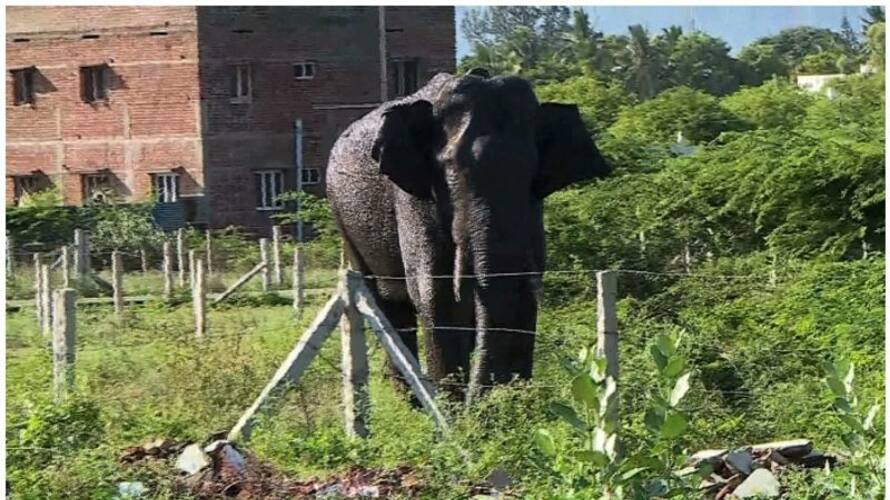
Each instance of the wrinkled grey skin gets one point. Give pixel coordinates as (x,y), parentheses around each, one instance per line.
(451,181)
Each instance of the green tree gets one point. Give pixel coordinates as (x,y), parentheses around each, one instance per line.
(702,62)
(695,114)
(597,100)
(794,44)
(765,60)
(125,227)
(877,45)
(776,103)
(642,64)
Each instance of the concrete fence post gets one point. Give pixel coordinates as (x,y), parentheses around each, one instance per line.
(264,257)
(298,281)
(208,251)
(38,303)
(64,325)
(191,266)
(10,255)
(607,328)
(180,255)
(168,270)
(277,277)
(81,253)
(46,306)
(199,299)
(354,361)
(117,282)
(143,261)
(66,265)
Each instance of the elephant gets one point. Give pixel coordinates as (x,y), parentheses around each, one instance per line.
(439,199)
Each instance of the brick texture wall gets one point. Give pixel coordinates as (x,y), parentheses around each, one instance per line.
(150,122)
(171,105)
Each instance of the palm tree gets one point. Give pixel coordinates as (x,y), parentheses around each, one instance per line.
(643,64)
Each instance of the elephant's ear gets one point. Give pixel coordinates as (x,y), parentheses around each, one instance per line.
(404,147)
(566,152)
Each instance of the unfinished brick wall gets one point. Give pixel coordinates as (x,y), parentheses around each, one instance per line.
(170,104)
(150,122)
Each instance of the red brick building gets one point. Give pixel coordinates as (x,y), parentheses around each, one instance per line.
(206,109)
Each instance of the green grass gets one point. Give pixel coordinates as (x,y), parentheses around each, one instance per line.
(755,349)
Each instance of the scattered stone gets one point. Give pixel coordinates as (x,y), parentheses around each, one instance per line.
(817,459)
(499,479)
(712,456)
(192,459)
(740,461)
(761,483)
(130,489)
(796,448)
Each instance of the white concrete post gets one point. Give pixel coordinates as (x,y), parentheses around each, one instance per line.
(168,270)
(298,282)
(264,257)
(64,325)
(277,277)
(354,362)
(66,266)
(199,299)
(46,306)
(117,282)
(180,255)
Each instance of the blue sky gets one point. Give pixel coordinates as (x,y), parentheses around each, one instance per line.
(736,25)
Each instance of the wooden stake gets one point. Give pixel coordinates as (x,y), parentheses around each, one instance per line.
(64,325)
(298,283)
(293,366)
(66,266)
(607,320)
(198,299)
(264,256)
(241,281)
(46,306)
(354,361)
(117,282)
(180,255)
(277,276)
(168,270)
(208,250)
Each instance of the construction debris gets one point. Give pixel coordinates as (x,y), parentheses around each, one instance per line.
(751,471)
(761,483)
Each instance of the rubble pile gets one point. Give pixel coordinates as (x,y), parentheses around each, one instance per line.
(751,471)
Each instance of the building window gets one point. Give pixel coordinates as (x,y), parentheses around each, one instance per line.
(166,187)
(94,83)
(310,176)
(242,83)
(304,71)
(269,185)
(24,185)
(404,77)
(23,83)
(97,188)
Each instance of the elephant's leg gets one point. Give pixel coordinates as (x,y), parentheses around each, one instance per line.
(449,336)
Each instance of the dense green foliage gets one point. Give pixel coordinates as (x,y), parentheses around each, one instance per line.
(753,258)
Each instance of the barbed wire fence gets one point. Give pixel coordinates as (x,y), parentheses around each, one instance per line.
(333,370)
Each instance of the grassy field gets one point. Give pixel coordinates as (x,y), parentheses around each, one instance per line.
(755,349)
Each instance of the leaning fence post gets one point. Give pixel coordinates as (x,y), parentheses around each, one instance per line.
(198,298)
(180,255)
(38,302)
(209,251)
(66,266)
(277,277)
(117,282)
(354,361)
(264,257)
(46,306)
(63,342)
(168,270)
(298,282)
